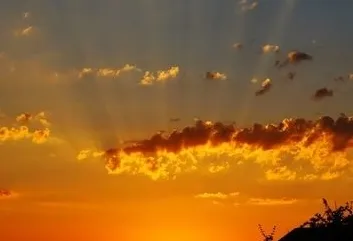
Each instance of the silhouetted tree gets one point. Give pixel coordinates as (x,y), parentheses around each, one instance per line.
(268,237)
(342,215)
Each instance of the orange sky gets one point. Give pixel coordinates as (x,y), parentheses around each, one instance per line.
(87,90)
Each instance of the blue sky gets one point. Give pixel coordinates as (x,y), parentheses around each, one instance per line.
(197,36)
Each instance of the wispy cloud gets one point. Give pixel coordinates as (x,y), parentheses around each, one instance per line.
(218,195)
(271,202)
(107,72)
(67,205)
(84,154)
(24,31)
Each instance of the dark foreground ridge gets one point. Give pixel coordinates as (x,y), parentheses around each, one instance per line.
(333,225)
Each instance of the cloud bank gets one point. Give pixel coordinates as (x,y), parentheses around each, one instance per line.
(322,144)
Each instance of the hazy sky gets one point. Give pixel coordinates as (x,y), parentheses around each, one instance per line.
(46,45)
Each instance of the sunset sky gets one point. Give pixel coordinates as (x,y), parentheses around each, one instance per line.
(80,77)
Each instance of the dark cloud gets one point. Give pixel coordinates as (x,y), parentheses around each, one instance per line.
(294,57)
(322,93)
(291,75)
(4,193)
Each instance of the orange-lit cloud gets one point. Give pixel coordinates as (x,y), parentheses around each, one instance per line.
(216,76)
(218,195)
(25,31)
(219,198)
(271,202)
(254,80)
(107,72)
(150,78)
(23,132)
(321,145)
(265,87)
(41,117)
(270,48)
(84,154)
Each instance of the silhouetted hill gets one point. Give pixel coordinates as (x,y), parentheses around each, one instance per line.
(343,233)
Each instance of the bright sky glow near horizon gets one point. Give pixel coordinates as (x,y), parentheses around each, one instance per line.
(86,85)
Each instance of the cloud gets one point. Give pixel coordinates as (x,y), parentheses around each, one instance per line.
(150,78)
(217,195)
(265,87)
(38,136)
(291,75)
(271,202)
(216,76)
(84,72)
(321,145)
(248,6)
(270,48)
(7,194)
(339,78)
(280,173)
(25,31)
(295,57)
(254,80)
(84,154)
(26,15)
(41,117)
(322,93)
(107,72)
(218,198)
(238,46)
